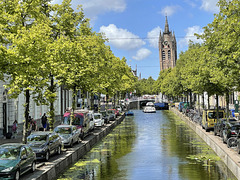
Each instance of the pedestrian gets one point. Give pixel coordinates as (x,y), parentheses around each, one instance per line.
(44,121)
(14,128)
(33,125)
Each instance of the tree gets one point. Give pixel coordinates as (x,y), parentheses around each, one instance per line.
(25,32)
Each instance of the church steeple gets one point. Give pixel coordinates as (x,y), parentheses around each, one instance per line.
(166,30)
(167,48)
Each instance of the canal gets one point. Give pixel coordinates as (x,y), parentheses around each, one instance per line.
(150,146)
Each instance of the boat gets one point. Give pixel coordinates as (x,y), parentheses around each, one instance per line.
(149,109)
(129,113)
(161,106)
(150,104)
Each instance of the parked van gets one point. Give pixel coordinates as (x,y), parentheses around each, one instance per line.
(209,118)
(83,119)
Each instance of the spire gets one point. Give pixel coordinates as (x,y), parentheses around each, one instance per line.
(166,26)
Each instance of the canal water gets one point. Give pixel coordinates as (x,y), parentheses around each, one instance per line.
(150,146)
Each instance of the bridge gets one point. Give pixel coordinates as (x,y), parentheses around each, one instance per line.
(138,103)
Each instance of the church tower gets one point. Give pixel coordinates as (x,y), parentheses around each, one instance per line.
(167,48)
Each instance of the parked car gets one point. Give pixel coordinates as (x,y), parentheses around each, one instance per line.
(15,160)
(209,118)
(98,120)
(230,130)
(105,116)
(83,120)
(219,126)
(45,144)
(112,114)
(69,134)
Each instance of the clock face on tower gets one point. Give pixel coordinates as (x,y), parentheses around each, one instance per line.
(165,44)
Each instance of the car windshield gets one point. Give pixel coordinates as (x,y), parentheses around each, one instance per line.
(213,115)
(111,111)
(98,116)
(63,130)
(103,113)
(78,121)
(36,137)
(66,120)
(9,152)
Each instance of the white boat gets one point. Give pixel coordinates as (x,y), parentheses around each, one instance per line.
(150,104)
(149,109)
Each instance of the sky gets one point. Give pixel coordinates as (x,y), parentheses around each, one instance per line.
(133,26)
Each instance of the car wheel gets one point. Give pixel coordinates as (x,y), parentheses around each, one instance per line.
(47,156)
(17,175)
(71,144)
(59,150)
(82,136)
(33,168)
(79,140)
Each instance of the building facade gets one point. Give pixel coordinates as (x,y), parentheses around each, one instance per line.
(13,109)
(167,48)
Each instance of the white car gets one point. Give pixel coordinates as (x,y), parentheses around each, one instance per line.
(98,120)
(69,134)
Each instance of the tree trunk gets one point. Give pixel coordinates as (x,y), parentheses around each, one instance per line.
(25,127)
(203,100)
(208,101)
(73,104)
(190,104)
(51,118)
(227,103)
(198,103)
(217,104)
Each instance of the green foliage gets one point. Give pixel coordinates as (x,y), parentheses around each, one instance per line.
(145,86)
(213,66)
(45,46)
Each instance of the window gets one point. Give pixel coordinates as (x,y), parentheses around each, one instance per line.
(23,152)
(163,55)
(169,54)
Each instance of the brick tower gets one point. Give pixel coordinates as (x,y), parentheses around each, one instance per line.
(167,48)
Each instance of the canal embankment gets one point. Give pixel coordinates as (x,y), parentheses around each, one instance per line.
(57,164)
(228,155)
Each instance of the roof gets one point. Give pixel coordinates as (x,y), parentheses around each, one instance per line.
(41,132)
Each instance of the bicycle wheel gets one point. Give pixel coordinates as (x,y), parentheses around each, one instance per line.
(232,142)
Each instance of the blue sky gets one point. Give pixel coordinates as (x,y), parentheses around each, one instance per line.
(133,26)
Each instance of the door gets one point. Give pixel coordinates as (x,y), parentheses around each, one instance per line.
(24,165)
(4,119)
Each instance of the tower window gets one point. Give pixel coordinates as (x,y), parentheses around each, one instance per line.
(163,55)
(169,54)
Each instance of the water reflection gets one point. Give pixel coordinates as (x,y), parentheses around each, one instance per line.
(150,146)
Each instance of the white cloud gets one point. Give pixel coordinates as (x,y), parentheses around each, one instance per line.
(142,54)
(210,6)
(190,36)
(93,8)
(121,38)
(191,3)
(169,10)
(153,37)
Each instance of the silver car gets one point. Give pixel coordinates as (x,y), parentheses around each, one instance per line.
(69,134)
